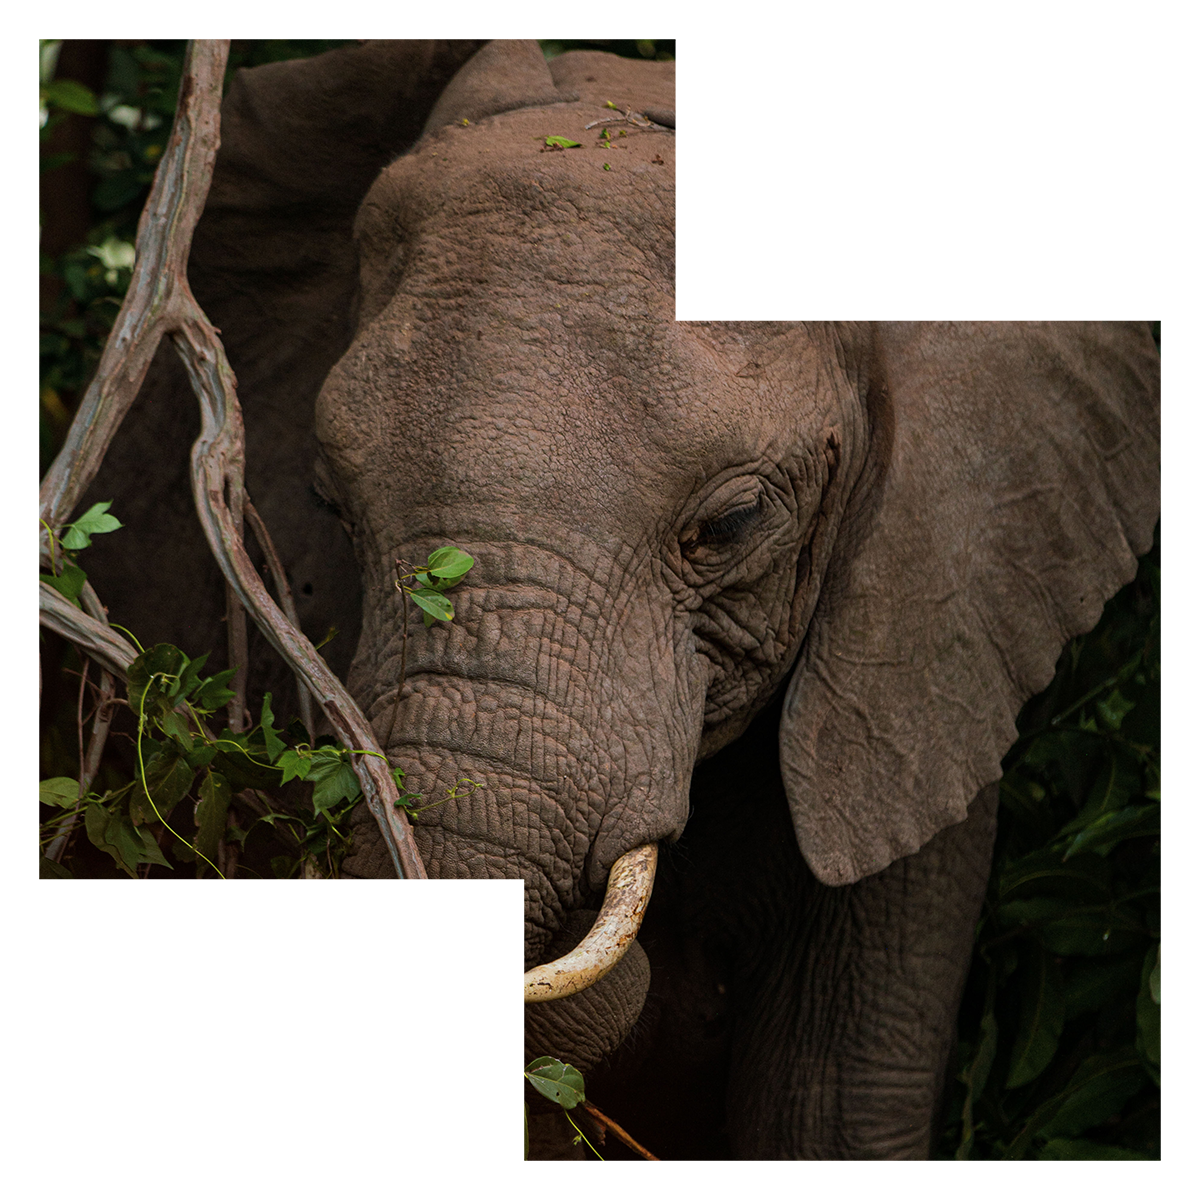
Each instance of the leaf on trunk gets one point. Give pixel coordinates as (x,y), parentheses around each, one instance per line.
(556,1080)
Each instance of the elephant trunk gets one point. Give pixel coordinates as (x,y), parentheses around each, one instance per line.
(568,709)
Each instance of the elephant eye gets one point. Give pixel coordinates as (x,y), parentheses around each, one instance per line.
(729,527)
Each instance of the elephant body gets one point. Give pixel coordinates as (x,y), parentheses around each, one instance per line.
(768,594)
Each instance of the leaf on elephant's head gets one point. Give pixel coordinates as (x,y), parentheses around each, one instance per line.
(449,562)
(433,603)
(561,143)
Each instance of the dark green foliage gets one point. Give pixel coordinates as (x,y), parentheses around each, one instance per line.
(1058,1054)
(662,49)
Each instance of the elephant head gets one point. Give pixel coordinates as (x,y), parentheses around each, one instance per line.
(899,525)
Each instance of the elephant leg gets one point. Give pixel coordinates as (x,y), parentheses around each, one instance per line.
(847,1015)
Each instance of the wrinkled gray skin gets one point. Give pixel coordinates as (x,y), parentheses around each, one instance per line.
(792,580)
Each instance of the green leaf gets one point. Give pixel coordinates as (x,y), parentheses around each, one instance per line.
(1138,232)
(179,1012)
(1064,927)
(332,783)
(556,1080)
(169,777)
(69,582)
(55,891)
(449,1072)
(71,96)
(975,1074)
(1149,1015)
(1041,1018)
(213,693)
(1095,982)
(247,1036)
(1043,873)
(153,678)
(562,142)
(95,520)
(1112,711)
(449,562)
(215,795)
(1147,105)
(60,791)
(150,851)
(435,604)
(1076,1148)
(294,765)
(319,953)
(1111,828)
(275,746)
(1097,1091)
(1135,154)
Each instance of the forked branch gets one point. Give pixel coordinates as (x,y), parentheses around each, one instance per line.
(160,302)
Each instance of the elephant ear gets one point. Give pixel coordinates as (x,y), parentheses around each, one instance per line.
(1019,483)
(502,76)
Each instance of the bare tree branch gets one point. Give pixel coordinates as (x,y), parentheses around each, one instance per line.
(160,302)
(286,602)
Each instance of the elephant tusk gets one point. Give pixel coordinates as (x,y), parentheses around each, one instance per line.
(629,884)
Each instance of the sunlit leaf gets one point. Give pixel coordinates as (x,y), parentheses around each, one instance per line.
(435,604)
(59,791)
(556,1080)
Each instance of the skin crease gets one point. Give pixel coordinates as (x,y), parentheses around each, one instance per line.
(767,593)
(511,463)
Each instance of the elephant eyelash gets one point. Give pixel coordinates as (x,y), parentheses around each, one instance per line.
(728,527)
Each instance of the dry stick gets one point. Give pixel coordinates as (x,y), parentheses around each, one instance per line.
(152,302)
(99,640)
(89,763)
(286,601)
(160,301)
(609,1123)
(216,460)
(346,931)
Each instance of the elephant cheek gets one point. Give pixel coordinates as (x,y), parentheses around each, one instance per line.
(585,1028)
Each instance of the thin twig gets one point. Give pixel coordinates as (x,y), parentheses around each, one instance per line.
(160,301)
(89,764)
(286,600)
(99,640)
(154,300)
(346,931)
(609,1123)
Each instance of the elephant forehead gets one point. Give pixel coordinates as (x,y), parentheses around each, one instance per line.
(496,194)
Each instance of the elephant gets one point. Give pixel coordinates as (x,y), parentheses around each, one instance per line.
(765,595)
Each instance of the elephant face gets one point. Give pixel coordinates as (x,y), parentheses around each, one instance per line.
(783,387)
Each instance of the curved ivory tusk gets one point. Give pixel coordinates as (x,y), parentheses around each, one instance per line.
(629,885)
